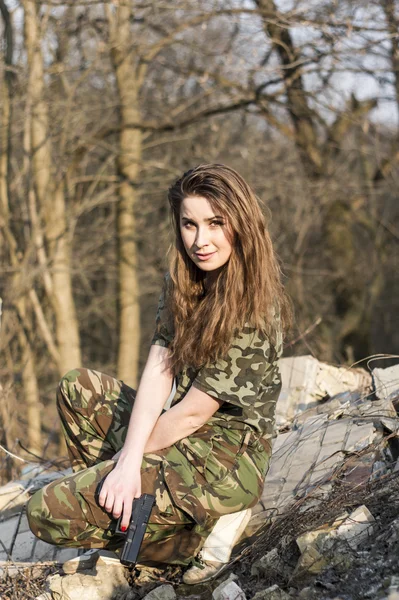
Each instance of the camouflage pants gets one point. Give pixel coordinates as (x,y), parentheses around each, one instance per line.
(95,411)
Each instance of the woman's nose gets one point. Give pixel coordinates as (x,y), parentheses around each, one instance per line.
(202,238)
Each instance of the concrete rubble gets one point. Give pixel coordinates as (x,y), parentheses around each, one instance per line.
(105,583)
(228,590)
(344,434)
(386,381)
(272,593)
(306,382)
(271,566)
(332,423)
(163,592)
(327,544)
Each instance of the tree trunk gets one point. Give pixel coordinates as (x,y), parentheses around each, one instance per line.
(128,163)
(6,106)
(51,201)
(29,380)
(31,395)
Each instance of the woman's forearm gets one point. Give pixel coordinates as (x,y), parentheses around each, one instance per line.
(152,393)
(168,429)
(182,420)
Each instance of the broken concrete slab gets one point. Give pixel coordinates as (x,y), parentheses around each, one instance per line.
(272,593)
(351,404)
(359,436)
(298,375)
(23,551)
(304,461)
(386,381)
(394,584)
(271,566)
(357,527)
(306,381)
(163,592)
(329,544)
(103,583)
(228,590)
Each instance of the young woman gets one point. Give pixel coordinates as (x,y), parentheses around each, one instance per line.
(219,333)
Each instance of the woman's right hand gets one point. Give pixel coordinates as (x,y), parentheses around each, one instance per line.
(118,491)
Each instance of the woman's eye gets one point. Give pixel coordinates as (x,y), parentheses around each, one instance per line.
(217,223)
(188,225)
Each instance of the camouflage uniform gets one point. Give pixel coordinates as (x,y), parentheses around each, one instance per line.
(219,469)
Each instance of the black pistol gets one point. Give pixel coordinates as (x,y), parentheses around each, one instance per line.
(141,511)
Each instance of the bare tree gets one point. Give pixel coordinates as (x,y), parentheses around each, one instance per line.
(129,74)
(50,197)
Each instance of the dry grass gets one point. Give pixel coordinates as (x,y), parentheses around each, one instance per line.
(27,584)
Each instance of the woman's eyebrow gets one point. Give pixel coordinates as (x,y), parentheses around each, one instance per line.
(210,218)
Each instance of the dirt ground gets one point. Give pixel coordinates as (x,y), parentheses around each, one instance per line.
(364,573)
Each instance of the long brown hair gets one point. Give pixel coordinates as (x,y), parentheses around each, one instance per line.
(248,288)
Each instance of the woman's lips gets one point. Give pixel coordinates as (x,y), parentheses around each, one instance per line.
(205,256)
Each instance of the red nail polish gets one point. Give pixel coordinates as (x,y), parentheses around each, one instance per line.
(123,528)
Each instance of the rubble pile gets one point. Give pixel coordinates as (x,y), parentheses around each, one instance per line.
(326,526)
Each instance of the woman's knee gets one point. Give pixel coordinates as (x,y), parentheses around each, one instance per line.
(40,518)
(53,514)
(66,390)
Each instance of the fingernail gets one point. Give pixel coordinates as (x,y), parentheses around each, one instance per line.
(123,528)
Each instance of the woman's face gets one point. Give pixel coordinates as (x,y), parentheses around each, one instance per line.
(204,233)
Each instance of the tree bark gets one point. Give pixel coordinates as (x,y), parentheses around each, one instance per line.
(6,115)
(49,191)
(128,163)
(29,380)
(32,403)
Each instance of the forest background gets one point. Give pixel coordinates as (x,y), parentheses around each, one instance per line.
(105,104)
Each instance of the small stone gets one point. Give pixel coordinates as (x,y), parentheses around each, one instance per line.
(307,593)
(357,527)
(9,570)
(394,584)
(390,534)
(44,596)
(386,381)
(311,560)
(272,593)
(271,565)
(330,544)
(228,590)
(163,592)
(343,561)
(102,583)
